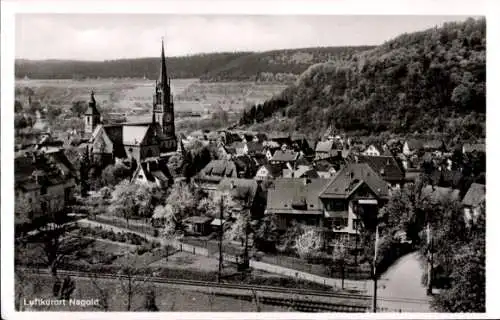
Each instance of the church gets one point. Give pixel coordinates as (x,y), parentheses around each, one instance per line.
(142,142)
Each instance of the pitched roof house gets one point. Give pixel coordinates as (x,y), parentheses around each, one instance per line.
(268,172)
(386,166)
(296,199)
(326,149)
(155,171)
(340,204)
(474,198)
(376,149)
(284,156)
(412,145)
(213,173)
(44,183)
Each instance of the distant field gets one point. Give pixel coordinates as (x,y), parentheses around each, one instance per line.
(134,96)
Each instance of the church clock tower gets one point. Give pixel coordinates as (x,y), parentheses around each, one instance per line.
(163,105)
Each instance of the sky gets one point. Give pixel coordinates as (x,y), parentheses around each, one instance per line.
(117,36)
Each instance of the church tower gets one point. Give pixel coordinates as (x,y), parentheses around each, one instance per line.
(163,105)
(92,116)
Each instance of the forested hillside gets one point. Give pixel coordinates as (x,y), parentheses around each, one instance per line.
(430,82)
(278,65)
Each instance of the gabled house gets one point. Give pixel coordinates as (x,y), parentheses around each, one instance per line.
(285,157)
(474,198)
(270,147)
(352,200)
(154,171)
(268,172)
(44,184)
(412,146)
(213,173)
(326,149)
(375,150)
(296,199)
(340,206)
(386,166)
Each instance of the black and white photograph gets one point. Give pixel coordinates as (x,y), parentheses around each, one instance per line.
(285,163)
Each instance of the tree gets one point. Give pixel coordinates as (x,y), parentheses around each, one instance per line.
(308,243)
(131,200)
(467,292)
(53,113)
(240,228)
(132,282)
(266,235)
(114,174)
(183,202)
(79,108)
(102,291)
(288,240)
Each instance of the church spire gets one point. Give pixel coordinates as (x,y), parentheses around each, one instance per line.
(163,70)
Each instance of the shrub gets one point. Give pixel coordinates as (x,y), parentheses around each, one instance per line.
(142,249)
(120,237)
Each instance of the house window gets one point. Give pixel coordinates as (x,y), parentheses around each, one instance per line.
(43,190)
(340,223)
(335,205)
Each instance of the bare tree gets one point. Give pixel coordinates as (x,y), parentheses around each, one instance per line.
(102,292)
(132,282)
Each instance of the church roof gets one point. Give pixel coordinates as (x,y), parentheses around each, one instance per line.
(134,135)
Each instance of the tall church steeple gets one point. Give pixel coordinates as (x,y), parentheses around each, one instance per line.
(92,115)
(163,104)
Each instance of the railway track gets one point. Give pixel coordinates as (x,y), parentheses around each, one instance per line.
(339,296)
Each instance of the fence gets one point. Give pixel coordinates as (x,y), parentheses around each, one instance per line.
(332,271)
(132,224)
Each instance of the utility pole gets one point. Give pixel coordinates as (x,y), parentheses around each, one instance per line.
(221,217)
(375,271)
